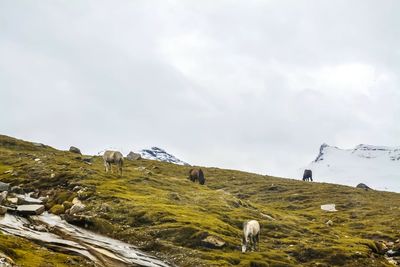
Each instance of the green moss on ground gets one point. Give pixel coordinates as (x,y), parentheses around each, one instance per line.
(154,206)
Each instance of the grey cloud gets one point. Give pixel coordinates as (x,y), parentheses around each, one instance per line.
(256,86)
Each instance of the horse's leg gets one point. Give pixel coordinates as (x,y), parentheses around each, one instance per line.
(120,169)
(258,241)
(106,166)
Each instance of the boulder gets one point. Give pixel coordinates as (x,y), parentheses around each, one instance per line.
(27,199)
(329,223)
(329,207)
(363,186)
(76,208)
(17,190)
(213,242)
(30,209)
(3,196)
(75,150)
(133,156)
(4,187)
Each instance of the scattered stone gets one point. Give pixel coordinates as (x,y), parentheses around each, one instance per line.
(3,210)
(4,187)
(37,159)
(3,196)
(76,208)
(133,156)
(17,190)
(85,193)
(329,207)
(44,199)
(76,201)
(141,168)
(12,200)
(363,186)
(381,247)
(30,209)
(27,199)
(9,171)
(213,242)
(52,175)
(75,150)
(393,253)
(77,188)
(329,223)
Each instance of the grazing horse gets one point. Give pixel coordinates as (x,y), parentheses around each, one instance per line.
(251,235)
(113,157)
(307,176)
(197,174)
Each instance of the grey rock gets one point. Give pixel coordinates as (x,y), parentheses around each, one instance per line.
(17,190)
(363,186)
(75,150)
(133,156)
(3,196)
(4,187)
(30,209)
(213,242)
(76,208)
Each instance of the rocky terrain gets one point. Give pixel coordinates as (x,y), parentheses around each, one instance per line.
(156,209)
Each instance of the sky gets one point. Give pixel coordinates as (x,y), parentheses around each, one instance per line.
(249,85)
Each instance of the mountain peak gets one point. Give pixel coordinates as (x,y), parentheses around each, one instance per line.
(156,153)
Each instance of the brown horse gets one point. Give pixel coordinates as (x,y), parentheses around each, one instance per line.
(197,174)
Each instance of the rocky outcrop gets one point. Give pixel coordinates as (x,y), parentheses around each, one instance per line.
(363,186)
(75,150)
(133,156)
(30,209)
(4,187)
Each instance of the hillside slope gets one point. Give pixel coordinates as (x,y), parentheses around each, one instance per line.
(154,206)
(376,166)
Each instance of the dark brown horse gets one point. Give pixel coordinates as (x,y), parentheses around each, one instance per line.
(307,176)
(197,174)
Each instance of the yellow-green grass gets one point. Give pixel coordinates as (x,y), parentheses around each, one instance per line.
(158,209)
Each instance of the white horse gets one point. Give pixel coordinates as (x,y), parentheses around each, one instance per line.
(251,235)
(113,157)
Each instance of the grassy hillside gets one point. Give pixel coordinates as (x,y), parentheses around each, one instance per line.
(154,206)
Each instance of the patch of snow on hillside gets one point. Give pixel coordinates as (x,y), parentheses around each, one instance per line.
(376,166)
(156,153)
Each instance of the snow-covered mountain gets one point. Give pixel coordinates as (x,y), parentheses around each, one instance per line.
(156,153)
(376,166)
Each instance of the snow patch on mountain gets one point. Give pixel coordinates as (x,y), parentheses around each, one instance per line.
(156,153)
(376,166)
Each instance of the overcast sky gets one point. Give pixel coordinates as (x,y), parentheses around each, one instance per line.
(249,85)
